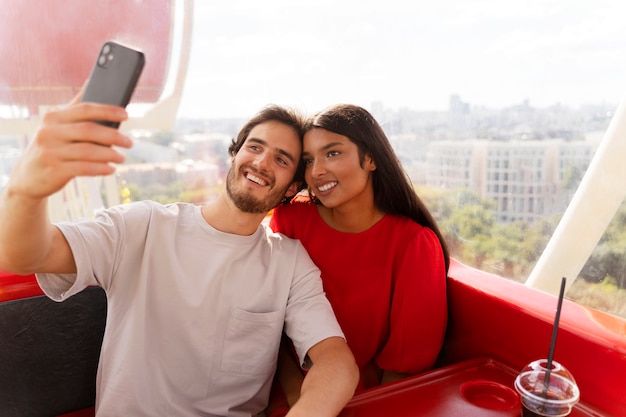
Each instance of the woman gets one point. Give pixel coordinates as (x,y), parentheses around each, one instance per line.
(382,257)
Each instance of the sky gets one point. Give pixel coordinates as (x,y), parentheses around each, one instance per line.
(405,54)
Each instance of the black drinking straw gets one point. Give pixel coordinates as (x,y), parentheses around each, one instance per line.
(555,328)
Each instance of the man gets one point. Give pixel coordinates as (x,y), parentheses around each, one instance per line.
(197,296)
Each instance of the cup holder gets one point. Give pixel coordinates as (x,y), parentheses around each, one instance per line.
(489,394)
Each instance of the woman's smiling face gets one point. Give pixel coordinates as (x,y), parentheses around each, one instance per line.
(334,171)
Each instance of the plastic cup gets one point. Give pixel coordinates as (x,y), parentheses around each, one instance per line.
(546,395)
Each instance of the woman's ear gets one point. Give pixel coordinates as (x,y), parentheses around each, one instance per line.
(370,164)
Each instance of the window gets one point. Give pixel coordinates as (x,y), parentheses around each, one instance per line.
(535,86)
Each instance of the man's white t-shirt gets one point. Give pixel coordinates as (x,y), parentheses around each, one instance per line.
(195,315)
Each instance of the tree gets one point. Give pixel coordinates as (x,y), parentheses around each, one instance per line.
(607,260)
(469,227)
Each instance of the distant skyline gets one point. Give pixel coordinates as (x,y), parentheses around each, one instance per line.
(491,53)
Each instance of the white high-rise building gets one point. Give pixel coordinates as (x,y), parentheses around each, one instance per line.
(526,179)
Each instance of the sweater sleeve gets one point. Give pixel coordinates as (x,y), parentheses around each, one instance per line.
(418,314)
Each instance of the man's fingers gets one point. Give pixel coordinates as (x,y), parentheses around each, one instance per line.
(92,132)
(59,153)
(54,134)
(59,165)
(81,112)
(92,153)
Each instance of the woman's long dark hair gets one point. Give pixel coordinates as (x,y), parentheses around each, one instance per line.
(393,190)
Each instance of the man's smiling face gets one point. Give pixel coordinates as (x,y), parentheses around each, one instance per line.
(263,169)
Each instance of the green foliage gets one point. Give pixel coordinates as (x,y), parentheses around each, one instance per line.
(469,226)
(609,256)
(162,137)
(136,193)
(196,193)
(605,295)
(572,176)
(474,237)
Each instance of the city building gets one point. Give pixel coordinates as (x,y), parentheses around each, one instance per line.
(526,179)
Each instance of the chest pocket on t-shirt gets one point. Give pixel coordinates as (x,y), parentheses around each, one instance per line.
(251,341)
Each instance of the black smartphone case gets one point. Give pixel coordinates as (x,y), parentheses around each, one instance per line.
(114,76)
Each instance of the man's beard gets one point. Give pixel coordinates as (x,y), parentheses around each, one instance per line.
(245,201)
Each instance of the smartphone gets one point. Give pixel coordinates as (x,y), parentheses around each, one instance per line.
(114,76)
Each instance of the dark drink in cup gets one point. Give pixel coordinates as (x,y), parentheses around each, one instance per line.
(544,393)
(549,405)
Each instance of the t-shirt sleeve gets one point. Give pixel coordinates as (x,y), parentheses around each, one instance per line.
(96,246)
(418,307)
(309,318)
